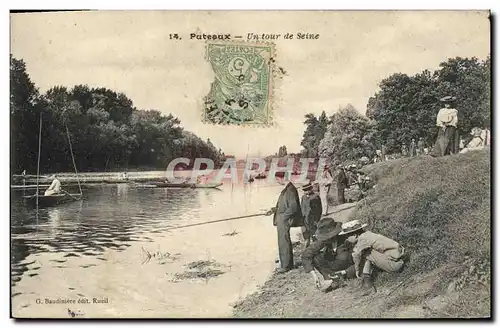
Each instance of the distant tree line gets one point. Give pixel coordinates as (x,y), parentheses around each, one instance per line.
(107,132)
(404,108)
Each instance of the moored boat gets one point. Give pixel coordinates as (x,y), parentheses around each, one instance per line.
(180,185)
(51,200)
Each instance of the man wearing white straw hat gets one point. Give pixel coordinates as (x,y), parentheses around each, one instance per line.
(371,249)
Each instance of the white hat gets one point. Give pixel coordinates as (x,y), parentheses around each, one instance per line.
(352,226)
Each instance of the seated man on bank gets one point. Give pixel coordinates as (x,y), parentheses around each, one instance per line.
(55,187)
(329,255)
(371,250)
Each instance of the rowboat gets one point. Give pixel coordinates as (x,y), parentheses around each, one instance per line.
(51,200)
(180,185)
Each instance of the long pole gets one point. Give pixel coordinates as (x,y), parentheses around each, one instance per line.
(73,158)
(38,165)
(215,221)
(240,217)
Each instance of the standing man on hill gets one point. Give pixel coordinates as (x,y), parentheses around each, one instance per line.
(420,146)
(341,185)
(326,182)
(446,121)
(413,148)
(287,214)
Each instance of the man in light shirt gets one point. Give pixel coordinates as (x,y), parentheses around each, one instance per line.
(371,250)
(446,121)
(55,187)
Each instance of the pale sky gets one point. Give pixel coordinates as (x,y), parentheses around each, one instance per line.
(131,52)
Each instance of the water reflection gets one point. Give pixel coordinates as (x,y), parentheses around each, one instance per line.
(113,217)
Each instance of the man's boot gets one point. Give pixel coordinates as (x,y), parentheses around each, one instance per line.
(367,285)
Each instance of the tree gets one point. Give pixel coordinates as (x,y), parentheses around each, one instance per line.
(315,131)
(106,130)
(348,137)
(25,112)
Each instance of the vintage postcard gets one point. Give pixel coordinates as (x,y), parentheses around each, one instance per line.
(250,164)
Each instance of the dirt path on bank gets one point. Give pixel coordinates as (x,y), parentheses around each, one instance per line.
(293,295)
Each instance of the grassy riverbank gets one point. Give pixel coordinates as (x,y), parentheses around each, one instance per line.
(439,209)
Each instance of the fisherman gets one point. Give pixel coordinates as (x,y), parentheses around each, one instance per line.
(287,214)
(341,185)
(329,255)
(446,121)
(371,250)
(326,183)
(55,187)
(311,208)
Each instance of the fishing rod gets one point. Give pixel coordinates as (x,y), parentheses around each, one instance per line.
(215,221)
(270,212)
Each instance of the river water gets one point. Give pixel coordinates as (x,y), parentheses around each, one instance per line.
(90,258)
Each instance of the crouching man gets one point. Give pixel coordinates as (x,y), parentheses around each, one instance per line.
(371,250)
(329,256)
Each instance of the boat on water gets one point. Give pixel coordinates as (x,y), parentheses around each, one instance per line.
(57,196)
(179,185)
(51,200)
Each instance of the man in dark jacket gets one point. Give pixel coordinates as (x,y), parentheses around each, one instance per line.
(287,214)
(311,208)
(341,185)
(329,255)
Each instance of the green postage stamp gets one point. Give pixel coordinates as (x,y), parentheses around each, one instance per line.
(242,91)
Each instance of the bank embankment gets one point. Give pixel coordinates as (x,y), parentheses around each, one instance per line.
(439,209)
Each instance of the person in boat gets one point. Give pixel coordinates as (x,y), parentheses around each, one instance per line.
(201,179)
(371,251)
(311,208)
(446,121)
(330,255)
(55,187)
(287,214)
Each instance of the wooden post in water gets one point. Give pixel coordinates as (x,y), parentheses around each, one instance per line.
(38,165)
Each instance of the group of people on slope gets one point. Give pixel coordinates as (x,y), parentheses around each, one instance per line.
(349,251)
(334,250)
(448,141)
